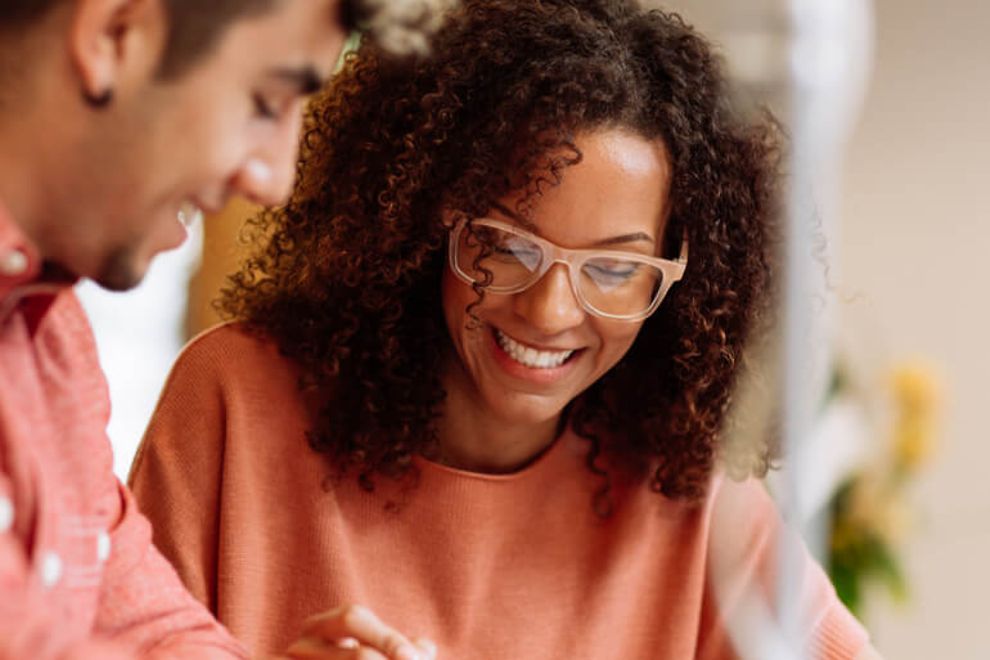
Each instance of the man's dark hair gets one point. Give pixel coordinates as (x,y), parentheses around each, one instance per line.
(18,12)
(196,25)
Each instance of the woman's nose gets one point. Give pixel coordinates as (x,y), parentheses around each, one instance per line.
(550,305)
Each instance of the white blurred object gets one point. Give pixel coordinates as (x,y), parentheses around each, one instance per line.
(839,442)
(139,334)
(810,61)
(830,62)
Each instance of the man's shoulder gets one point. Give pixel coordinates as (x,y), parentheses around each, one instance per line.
(57,333)
(62,319)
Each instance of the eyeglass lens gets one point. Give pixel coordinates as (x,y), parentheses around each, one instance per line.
(610,284)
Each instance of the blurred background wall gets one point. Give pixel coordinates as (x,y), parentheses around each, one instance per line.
(912,259)
(914,246)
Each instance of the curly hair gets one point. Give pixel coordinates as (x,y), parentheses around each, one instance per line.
(347,278)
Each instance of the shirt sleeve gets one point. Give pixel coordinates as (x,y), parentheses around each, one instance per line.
(143,610)
(24,619)
(741,615)
(144,605)
(66,590)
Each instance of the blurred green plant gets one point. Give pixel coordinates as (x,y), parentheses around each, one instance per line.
(869,512)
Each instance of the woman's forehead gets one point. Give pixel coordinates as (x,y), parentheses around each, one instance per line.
(619,186)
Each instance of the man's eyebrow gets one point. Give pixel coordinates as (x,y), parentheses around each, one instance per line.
(614,240)
(305,79)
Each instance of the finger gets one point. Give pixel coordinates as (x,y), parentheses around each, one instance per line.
(426,647)
(361,624)
(306,648)
(311,648)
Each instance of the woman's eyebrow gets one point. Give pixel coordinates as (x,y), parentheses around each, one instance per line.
(633,237)
(626,238)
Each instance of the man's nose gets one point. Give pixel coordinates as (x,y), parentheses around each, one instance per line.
(268,175)
(550,305)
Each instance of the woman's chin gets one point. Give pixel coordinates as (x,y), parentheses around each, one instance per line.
(524,409)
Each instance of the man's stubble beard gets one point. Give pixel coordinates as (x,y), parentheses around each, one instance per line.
(119,272)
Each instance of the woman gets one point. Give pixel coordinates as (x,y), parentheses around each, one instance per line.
(481,362)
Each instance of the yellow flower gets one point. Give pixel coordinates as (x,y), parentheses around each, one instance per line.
(916,395)
(914,383)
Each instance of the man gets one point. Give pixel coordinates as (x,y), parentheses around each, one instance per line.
(115,115)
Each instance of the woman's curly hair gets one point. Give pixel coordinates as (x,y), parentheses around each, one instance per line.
(347,280)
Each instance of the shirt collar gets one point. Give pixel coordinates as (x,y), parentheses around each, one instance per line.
(22,272)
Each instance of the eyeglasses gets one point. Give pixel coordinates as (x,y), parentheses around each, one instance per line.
(504,259)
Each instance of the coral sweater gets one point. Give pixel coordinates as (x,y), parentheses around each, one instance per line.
(510,566)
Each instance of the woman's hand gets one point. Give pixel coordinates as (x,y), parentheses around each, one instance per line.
(354,632)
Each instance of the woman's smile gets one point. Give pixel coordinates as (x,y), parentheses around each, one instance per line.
(528,362)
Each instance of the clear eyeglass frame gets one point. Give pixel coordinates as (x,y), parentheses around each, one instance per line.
(574,259)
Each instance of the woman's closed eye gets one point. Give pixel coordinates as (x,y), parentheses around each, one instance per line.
(611,274)
(518,250)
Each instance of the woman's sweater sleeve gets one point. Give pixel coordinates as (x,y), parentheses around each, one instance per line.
(742,614)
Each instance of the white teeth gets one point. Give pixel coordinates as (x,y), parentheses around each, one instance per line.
(531,357)
(190,214)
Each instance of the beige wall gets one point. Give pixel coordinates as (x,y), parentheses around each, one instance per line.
(223,252)
(915,252)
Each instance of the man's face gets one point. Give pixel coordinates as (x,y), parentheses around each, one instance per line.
(227,126)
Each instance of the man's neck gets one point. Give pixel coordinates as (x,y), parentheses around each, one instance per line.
(18,187)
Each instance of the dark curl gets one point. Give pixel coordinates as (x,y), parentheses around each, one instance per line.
(348,280)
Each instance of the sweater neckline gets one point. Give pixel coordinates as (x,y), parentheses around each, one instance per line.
(566,443)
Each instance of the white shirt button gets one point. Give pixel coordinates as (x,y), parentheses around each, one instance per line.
(13,263)
(103,546)
(51,569)
(6,515)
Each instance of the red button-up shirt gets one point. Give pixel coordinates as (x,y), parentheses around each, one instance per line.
(79,577)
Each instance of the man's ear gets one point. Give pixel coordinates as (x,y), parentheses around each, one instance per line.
(113,41)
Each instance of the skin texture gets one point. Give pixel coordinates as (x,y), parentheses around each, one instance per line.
(116,177)
(498,418)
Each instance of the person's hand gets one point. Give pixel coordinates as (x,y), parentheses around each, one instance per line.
(354,632)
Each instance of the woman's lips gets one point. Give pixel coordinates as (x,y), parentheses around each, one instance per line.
(530,356)
(528,363)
